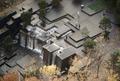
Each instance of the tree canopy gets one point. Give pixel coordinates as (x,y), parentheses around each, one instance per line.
(105,24)
(89,43)
(26,18)
(55,3)
(42,11)
(114,6)
(42,6)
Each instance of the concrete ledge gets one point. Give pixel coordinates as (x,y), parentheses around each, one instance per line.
(89,11)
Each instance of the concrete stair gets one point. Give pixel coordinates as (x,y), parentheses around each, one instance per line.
(73,43)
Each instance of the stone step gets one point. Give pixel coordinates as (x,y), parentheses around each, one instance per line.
(19,69)
(26,61)
(5,68)
(9,56)
(12,62)
(69,17)
(1,58)
(2,55)
(2,62)
(1,72)
(71,27)
(73,24)
(73,43)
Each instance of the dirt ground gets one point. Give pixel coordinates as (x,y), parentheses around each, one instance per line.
(6,11)
(103,53)
(102,56)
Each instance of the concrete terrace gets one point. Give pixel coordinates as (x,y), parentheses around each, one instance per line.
(62,29)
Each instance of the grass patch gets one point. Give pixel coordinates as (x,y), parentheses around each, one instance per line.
(98,5)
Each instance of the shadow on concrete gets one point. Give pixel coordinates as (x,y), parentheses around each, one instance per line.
(58,8)
(76,2)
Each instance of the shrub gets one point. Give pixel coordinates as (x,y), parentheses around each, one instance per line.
(89,43)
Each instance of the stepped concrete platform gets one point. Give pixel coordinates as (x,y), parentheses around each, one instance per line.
(88,11)
(17,68)
(61,30)
(71,27)
(12,61)
(55,14)
(26,61)
(2,62)
(73,43)
(77,36)
(50,26)
(74,23)
(92,28)
(4,68)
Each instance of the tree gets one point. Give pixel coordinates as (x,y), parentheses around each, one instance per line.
(26,18)
(114,7)
(42,11)
(115,60)
(78,73)
(105,25)
(118,5)
(111,74)
(117,12)
(77,1)
(49,70)
(56,3)
(110,4)
(112,77)
(89,44)
(31,70)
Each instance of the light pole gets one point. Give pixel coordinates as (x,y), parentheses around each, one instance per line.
(78,18)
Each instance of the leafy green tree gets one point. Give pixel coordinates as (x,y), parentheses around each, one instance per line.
(26,18)
(42,11)
(89,44)
(56,3)
(110,4)
(118,5)
(117,12)
(114,7)
(115,60)
(105,25)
